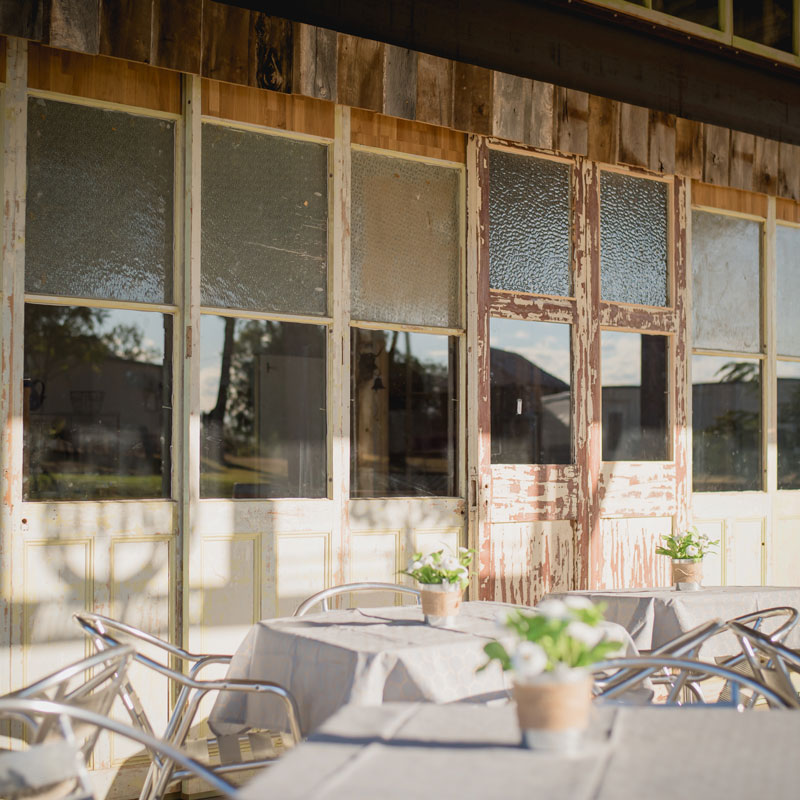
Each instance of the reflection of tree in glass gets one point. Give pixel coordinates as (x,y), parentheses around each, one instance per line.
(739,372)
(738,421)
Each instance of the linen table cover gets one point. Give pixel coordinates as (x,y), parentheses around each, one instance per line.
(366,656)
(654,617)
(400,751)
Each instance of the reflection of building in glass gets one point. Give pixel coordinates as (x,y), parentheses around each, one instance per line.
(530,412)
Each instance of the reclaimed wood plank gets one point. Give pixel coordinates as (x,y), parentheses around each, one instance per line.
(541,124)
(787,210)
(661,152)
(765,166)
(226,43)
(743,147)
(789,171)
(400,82)
(704,194)
(512,98)
(624,317)
(177,35)
(524,493)
(689,148)
(716,154)
(273,52)
(22,18)
(125,29)
(570,121)
(603,136)
(435,90)
(360,72)
(315,57)
(634,123)
(513,305)
(73,25)
(472,98)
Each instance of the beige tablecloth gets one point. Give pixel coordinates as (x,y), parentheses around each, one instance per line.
(365,656)
(466,751)
(653,617)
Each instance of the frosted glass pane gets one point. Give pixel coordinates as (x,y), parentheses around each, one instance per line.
(633,240)
(529,224)
(788,270)
(726,255)
(265,222)
(405,241)
(99,203)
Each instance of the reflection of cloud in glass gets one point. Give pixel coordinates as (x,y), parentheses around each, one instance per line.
(621,358)
(788,369)
(546,344)
(212,331)
(715,369)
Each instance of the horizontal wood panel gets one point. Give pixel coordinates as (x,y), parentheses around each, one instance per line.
(638,318)
(729,199)
(521,306)
(69,519)
(641,489)
(528,492)
(787,210)
(270,109)
(100,78)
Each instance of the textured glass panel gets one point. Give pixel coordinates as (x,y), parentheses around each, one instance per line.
(634,370)
(262,395)
(767,22)
(726,424)
(788,425)
(703,12)
(97,403)
(633,239)
(404,423)
(530,391)
(787,257)
(529,224)
(726,257)
(265,222)
(406,243)
(99,203)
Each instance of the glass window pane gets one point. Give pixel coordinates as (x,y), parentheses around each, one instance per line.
(726,424)
(788,425)
(768,22)
(529,224)
(726,258)
(262,395)
(99,203)
(530,392)
(787,257)
(406,241)
(702,12)
(265,222)
(635,396)
(404,426)
(97,408)
(633,239)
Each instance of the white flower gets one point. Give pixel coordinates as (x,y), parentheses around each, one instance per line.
(554,609)
(578,603)
(428,561)
(584,633)
(501,619)
(449,563)
(529,660)
(463,571)
(692,551)
(415,565)
(463,550)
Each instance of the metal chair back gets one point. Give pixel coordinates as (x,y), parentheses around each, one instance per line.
(326,595)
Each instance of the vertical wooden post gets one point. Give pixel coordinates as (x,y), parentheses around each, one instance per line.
(15,126)
(769,378)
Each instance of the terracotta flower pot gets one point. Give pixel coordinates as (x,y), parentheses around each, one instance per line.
(687,574)
(553,712)
(440,602)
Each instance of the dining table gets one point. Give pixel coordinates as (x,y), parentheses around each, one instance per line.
(655,616)
(403,750)
(367,656)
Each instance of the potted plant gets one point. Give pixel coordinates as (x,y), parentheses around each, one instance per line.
(441,578)
(686,550)
(549,649)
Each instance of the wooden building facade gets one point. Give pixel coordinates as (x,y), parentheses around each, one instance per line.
(283,305)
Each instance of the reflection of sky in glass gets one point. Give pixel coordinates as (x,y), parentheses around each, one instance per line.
(621,358)
(149,323)
(788,369)
(712,369)
(545,344)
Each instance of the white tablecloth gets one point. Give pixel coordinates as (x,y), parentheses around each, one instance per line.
(365,656)
(654,617)
(461,751)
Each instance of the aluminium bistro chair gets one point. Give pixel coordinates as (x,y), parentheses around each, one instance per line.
(241,752)
(334,591)
(57,766)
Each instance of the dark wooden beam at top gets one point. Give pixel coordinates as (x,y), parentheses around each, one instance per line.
(566,44)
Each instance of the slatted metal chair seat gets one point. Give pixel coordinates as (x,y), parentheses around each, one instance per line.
(323,597)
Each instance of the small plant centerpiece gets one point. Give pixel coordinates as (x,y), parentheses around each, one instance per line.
(442,579)
(549,649)
(686,550)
